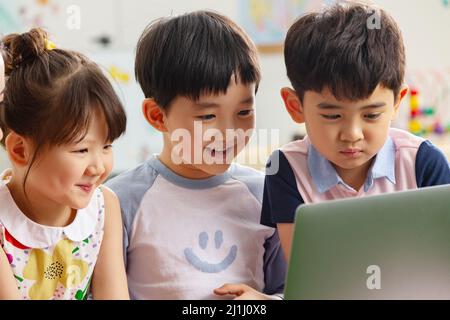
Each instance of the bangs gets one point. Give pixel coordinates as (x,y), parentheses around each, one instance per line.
(349,79)
(86,92)
(218,60)
(336,49)
(192,55)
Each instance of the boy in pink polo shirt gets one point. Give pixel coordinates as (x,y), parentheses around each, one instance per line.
(346,66)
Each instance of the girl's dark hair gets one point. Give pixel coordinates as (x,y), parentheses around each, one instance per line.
(345,49)
(193,54)
(51,94)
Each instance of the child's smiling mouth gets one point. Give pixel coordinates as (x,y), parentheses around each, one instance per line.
(85,187)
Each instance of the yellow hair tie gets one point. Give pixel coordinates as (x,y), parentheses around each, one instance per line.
(49,45)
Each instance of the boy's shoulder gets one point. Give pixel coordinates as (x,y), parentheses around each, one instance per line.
(134,182)
(403,139)
(239,171)
(294,153)
(416,152)
(131,187)
(252,178)
(297,146)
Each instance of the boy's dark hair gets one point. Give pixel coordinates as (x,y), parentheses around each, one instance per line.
(343,49)
(193,54)
(51,94)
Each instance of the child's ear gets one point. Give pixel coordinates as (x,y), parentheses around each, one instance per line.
(154,114)
(293,104)
(401,94)
(19,149)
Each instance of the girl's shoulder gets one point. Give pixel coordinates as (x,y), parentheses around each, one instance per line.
(112,212)
(109,197)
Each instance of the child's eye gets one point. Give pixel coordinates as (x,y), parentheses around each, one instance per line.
(245,112)
(107,147)
(372,116)
(206,117)
(331,116)
(81,150)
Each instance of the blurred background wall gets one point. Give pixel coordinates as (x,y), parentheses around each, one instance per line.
(108,30)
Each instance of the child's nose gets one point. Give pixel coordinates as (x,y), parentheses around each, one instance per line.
(96,167)
(228,123)
(351,133)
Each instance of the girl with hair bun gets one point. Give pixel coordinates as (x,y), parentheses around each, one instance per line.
(60,229)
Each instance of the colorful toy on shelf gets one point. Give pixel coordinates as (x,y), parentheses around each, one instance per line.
(415,126)
(438,128)
(420,121)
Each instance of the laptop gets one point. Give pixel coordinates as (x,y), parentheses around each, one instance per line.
(390,246)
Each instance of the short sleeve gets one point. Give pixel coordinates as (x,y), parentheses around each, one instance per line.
(274,265)
(281,196)
(432,167)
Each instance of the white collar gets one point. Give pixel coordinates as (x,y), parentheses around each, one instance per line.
(34,235)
